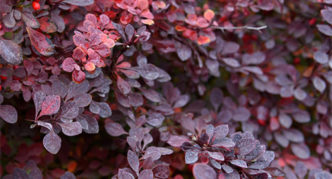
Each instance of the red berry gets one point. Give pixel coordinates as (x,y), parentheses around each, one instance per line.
(3,77)
(35,5)
(261,122)
(312,21)
(297,60)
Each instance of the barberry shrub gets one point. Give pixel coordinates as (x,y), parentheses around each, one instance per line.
(178,89)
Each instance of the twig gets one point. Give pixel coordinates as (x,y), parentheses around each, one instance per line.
(241,27)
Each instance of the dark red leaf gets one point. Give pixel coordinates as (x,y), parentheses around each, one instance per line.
(78,76)
(40,42)
(50,105)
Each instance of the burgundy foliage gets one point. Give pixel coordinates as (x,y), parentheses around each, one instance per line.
(178,89)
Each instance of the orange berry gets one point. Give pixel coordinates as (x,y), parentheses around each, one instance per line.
(72,166)
(90,67)
(209,14)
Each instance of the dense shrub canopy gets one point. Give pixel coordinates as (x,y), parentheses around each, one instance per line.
(178,89)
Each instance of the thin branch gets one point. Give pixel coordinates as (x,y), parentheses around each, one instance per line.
(241,27)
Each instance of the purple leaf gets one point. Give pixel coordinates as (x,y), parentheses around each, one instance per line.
(58,20)
(83,100)
(153,153)
(165,151)
(281,139)
(325,29)
(123,174)
(264,161)
(8,113)
(100,108)
(245,146)
(77,89)
(151,95)
(220,132)
(88,123)
(327,15)
(253,69)
(203,171)
(30,20)
(129,31)
(227,168)
(149,71)
(177,141)
(216,97)
(319,84)
(114,129)
(301,116)
(11,52)
(321,57)
(225,142)
(71,128)
(123,86)
(184,52)
(133,161)
(9,20)
(155,119)
(135,99)
(146,174)
(191,156)
(323,175)
(217,156)
(213,67)
(79,2)
(19,174)
(181,101)
(293,135)
(241,114)
(69,110)
(301,150)
(231,62)
(51,105)
(52,142)
(300,169)
(161,171)
(285,120)
(33,170)
(239,163)
(300,94)
(68,175)
(254,59)
(230,48)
